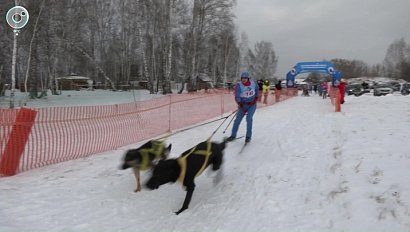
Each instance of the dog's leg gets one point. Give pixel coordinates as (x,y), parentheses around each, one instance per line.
(137,178)
(190,190)
(218,176)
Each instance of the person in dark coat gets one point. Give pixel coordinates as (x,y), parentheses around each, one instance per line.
(278,90)
(260,86)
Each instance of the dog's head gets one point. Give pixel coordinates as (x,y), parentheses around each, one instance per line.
(132,157)
(218,155)
(166,152)
(164,172)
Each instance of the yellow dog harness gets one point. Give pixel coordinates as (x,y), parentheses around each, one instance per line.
(156,149)
(182,160)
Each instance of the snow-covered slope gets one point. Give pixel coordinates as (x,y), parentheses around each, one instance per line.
(307,168)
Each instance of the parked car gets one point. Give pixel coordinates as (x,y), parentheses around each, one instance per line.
(382,89)
(405,90)
(366,87)
(354,89)
(395,85)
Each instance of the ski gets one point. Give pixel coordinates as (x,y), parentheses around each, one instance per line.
(243,147)
(236,138)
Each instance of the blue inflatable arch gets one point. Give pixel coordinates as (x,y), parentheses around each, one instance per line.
(320,67)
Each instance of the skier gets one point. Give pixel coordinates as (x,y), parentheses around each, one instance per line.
(246,95)
(265,90)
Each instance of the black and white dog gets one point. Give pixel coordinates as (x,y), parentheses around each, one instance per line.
(187,166)
(145,157)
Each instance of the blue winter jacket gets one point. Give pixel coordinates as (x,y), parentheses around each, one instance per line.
(246,94)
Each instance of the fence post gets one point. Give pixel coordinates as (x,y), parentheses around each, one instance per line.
(222,103)
(169,113)
(16,143)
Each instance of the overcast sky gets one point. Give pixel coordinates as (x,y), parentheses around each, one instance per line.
(313,30)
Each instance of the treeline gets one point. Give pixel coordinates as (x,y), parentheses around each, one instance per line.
(396,64)
(115,42)
(119,41)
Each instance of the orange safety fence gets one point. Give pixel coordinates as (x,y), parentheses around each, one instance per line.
(32,138)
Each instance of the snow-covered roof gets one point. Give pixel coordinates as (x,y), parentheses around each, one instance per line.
(203,77)
(73,78)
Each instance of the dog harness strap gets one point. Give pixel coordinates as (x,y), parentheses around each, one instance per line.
(182,160)
(206,153)
(156,149)
(144,159)
(182,163)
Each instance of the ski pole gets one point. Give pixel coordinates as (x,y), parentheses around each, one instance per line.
(229,123)
(192,127)
(223,123)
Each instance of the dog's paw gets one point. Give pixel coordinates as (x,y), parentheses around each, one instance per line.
(180,211)
(137,190)
(218,177)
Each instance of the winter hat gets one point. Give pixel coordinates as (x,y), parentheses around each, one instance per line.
(245,74)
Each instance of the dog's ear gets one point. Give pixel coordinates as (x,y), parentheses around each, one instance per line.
(130,154)
(167,151)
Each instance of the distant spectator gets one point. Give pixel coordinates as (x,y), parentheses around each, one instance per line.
(342,89)
(305,92)
(319,89)
(265,90)
(278,86)
(278,90)
(324,89)
(260,86)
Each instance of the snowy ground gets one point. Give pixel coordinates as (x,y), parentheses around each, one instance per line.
(306,169)
(76,98)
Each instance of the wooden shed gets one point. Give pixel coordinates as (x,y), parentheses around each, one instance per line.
(204,82)
(74,82)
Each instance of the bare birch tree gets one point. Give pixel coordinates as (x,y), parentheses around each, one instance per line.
(31,45)
(163,41)
(265,60)
(397,55)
